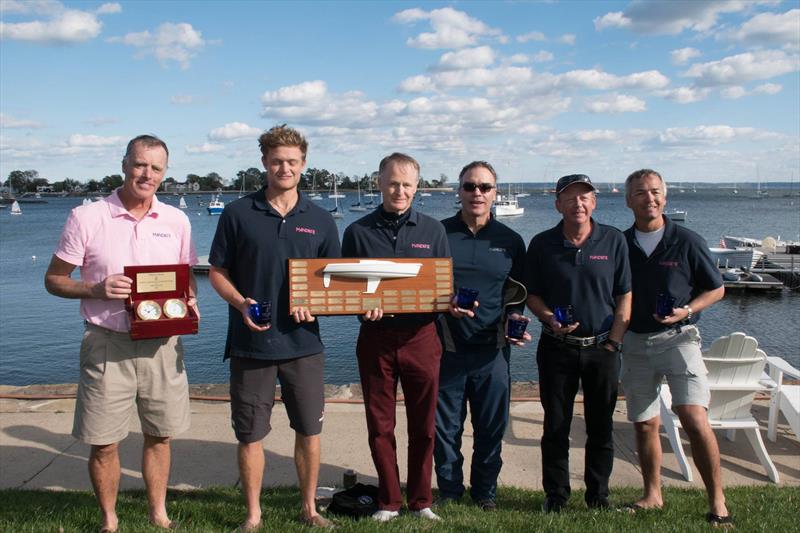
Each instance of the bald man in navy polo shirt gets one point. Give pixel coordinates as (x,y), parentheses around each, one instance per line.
(404,347)
(671,260)
(583,264)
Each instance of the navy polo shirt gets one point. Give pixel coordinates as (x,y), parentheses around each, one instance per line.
(589,278)
(417,235)
(482,261)
(253,243)
(680,265)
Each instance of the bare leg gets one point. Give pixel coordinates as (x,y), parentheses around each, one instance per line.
(306,460)
(251,472)
(705,452)
(648,444)
(155,471)
(104,471)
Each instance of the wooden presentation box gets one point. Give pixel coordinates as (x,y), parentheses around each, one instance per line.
(158,284)
(352,286)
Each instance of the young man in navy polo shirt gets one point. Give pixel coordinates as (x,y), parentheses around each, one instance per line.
(255,237)
(404,347)
(582,264)
(487,255)
(669,260)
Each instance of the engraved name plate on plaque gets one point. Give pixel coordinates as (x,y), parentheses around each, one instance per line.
(353,286)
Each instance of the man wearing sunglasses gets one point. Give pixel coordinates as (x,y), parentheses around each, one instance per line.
(579,287)
(487,256)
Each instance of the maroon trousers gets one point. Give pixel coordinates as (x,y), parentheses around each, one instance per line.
(385,355)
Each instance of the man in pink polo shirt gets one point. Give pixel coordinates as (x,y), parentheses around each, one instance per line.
(129,227)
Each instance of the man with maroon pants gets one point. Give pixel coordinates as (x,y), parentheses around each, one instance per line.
(404,347)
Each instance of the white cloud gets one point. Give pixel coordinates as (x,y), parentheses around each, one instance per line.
(770,28)
(671,17)
(451,28)
(78,140)
(716,134)
(171,42)
(234,130)
(39,7)
(733,93)
(683,55)
(481,56)
(519,59)
(183,99)
(106,9)
(768,88)
(482,77)
(567,38)
(597,79)
(302,93)
(531,36)
(205,148)
(101,121)
(741,68)
(66,27)
(311,101)
(685,95)
(615,103)
(542,56)
(7,121)
(416,84)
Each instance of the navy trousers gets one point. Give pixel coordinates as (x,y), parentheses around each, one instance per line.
(482,380)
(562,368)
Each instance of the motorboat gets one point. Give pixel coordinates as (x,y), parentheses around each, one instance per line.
(736,257)
(507,205)
(215,206)
(676,215)
(373,270)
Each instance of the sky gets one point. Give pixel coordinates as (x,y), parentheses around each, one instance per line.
(702,91)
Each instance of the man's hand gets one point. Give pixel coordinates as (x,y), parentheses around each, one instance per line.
(526,337)
(191,301)
(373,315)
(114,287)
(558,329)
(301,314)
(458,312)
(244,308)
(678,314)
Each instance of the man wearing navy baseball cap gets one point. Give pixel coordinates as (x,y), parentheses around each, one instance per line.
(579,287)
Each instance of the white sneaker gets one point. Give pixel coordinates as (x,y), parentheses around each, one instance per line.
(384,515)
(427,514)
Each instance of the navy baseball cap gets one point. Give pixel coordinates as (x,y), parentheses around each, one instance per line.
(572,179)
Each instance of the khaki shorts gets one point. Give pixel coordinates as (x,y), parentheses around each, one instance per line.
(647,358)
(118,373)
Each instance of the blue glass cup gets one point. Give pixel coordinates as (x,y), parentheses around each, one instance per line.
(261,312)
(465,298)
(516,328)
(665,304)
(564,314)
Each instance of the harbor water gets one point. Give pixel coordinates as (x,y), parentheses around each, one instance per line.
(40,334)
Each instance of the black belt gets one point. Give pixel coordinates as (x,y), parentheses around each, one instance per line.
(574,340)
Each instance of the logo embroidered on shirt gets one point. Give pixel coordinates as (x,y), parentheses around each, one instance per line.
(669,264)
(501,250)
(598,258)
(421,245)
(163,235)
(300,229)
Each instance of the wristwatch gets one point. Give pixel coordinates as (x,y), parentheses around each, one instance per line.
(614,344)
(689,312)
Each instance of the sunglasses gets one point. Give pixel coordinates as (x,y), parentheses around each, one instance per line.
(470,187)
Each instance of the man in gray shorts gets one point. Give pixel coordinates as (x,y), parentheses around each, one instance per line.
(674,278)
(117,372)
(255,237)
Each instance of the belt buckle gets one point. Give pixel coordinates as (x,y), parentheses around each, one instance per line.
(587,341)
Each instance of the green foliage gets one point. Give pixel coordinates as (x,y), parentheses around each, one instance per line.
(756,508)
(22,181)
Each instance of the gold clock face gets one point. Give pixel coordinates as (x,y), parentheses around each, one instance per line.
(148,310)
(175,308)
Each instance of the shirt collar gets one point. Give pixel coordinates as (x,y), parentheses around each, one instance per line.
(117,209)
(594,236)
(260,202)
(413,217)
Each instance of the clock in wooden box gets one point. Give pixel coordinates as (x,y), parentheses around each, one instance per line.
(158,301)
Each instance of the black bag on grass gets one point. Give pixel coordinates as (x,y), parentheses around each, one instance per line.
(357,502)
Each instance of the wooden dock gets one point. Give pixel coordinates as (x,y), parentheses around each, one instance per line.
(781,263)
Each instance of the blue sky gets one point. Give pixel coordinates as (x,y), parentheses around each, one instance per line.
(701,91)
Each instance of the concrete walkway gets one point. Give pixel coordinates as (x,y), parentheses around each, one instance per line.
(38,452)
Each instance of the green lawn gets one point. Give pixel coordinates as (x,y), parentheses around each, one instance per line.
(763,508)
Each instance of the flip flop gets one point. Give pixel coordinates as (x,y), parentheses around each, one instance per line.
(716,520)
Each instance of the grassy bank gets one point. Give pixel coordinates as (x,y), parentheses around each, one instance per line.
(762,508)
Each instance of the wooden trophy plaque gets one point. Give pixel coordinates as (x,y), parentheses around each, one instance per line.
(157,305)
(352,286)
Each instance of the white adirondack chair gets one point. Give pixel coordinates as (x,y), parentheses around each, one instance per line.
(735,365)
(784,398)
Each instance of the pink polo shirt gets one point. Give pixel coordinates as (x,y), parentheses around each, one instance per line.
(103,237)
